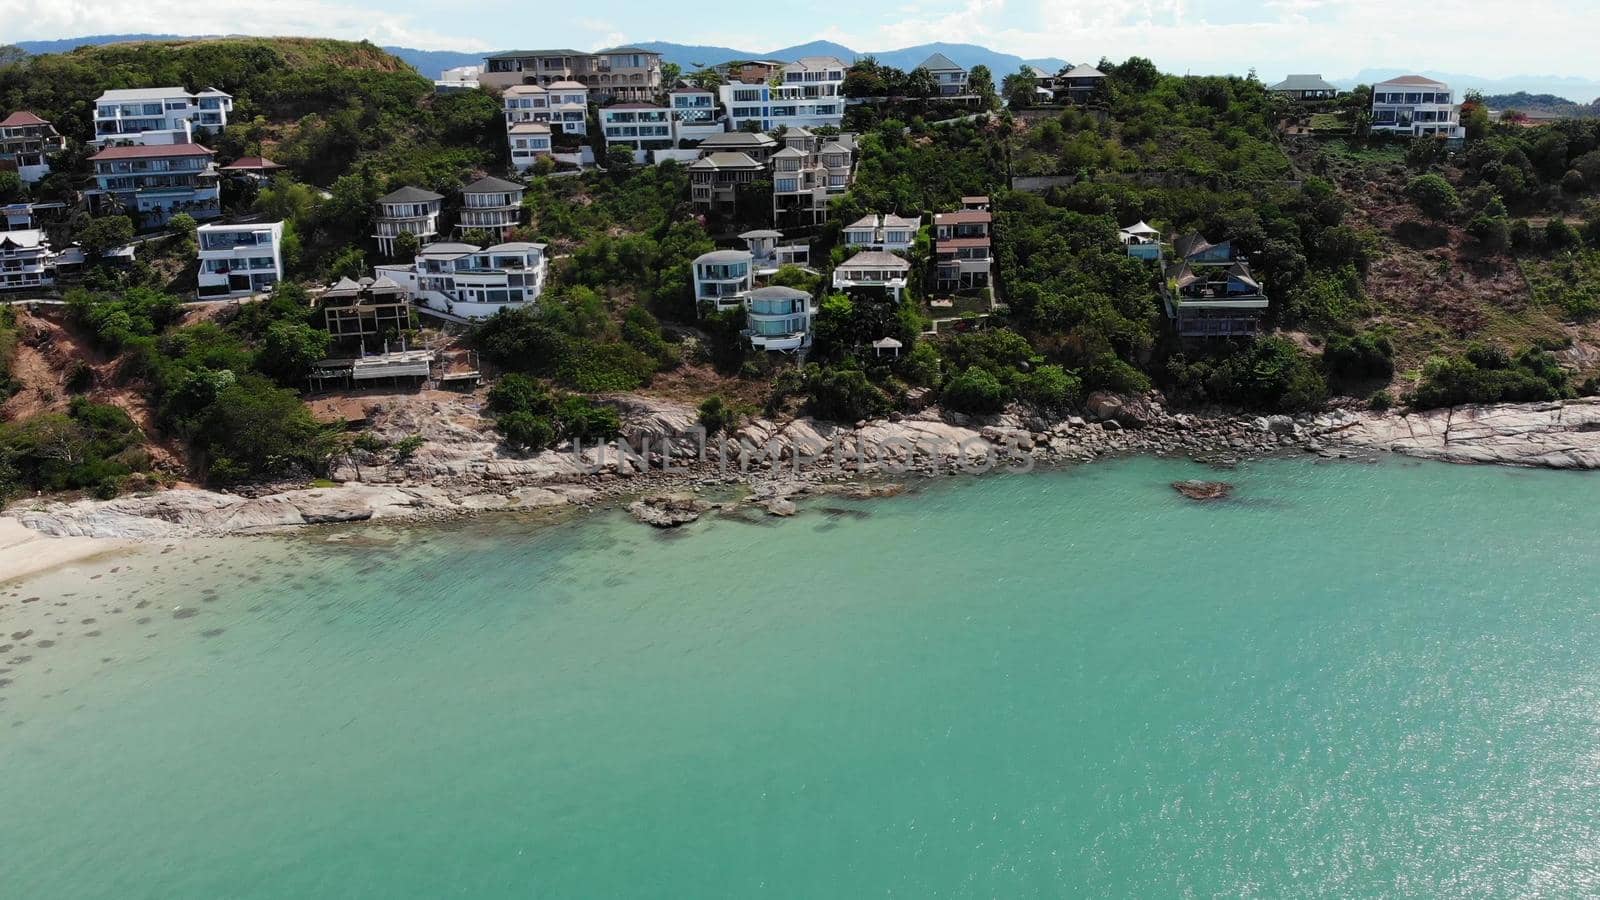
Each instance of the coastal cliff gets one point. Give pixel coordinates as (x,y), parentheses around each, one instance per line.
(461,469)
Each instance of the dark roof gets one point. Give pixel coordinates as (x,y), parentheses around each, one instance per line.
(939,62)
(410,194)
(492,185)
(155,151)
(1303,83)
(21,118)
(251,164)
(964,217)
(1190,244)
(520,54)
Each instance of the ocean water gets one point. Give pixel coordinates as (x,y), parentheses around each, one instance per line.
(1347,680)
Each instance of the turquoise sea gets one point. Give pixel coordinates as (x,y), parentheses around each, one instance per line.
(1348,680)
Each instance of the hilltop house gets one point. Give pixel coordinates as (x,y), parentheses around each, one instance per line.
(962,248)
(409,210)
(457,79)
(1305,87)
(529,141)
(564,106)
(1044,83)
(950,80)
(364,314)
(641,126)
(1208,290)
(695,114)
(714,179)
(808,94)
(779,318)
(807,173)
(621,73)
(156,182)
(873,269)
(236,260)
(1082,84)
(26,143)
(1416,106)
(768,256)
(472,282)
(491,204)
(25,260)
(722,278)
(164,115)
(886,232)
(751,71)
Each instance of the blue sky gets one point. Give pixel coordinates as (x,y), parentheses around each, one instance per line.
(1334,37)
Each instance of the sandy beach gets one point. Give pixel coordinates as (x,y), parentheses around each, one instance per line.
(24,551)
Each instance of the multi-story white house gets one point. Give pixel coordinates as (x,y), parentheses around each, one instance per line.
(239,259)
(722,278)
(164,115)
(622,73)
(641,126)
(26,142)
(779,318)
(491,204)
(472,282)
(695,113)
(886,232)
(157,182)
(410,210)
(873,269)
(24,260)
(807,173)
(529,141)
(808,95)
(950,80)
(457,79)
(1416,106)
(563,106)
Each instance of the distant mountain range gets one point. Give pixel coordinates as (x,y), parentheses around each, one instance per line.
(431,62)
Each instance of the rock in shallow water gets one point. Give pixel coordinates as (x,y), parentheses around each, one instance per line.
(1203,490)
(667,511)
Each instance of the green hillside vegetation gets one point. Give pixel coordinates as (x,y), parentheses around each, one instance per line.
(1435,276)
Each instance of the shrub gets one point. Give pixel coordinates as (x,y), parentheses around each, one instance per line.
(1433,195)
(256,430)
(976,392)
(1048,388)
(843,395)
(716,416)
(1380,400)
(1486,374)
(1359,356)
(526,431)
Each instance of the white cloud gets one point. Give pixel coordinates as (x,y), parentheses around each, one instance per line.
(47,19)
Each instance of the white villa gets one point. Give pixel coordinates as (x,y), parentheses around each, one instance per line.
(873,269)
(236,260)
(722,278)
(529,141)
(695,113)
(1416,106)
(951,79)
(472,282)
(164,115)
(885,232)
(409,210)
(779,318)
(458,78)
(624,73)
(563,105)
(491,204)
(641,126)
(25,260)
(808,95)
(26,142)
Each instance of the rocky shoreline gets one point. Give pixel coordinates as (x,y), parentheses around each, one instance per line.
(462,470)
